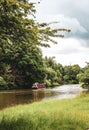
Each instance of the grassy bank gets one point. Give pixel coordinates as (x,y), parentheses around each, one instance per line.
(66,114)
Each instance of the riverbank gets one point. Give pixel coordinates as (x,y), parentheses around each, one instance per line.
(65,114)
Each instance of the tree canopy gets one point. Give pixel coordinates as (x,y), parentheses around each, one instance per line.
(21,60)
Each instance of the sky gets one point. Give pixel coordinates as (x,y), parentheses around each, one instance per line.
(71,14)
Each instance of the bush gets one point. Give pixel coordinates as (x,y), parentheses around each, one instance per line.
(3,84)
(55,84)
(48,83)
(11,85)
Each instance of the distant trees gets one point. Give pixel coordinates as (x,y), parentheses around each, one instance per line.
(70,74)
(53,72)
(84,77)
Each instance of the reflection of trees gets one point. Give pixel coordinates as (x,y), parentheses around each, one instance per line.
(38,95)
(7,100)
(20,97)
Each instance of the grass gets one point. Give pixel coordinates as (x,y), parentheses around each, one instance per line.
(66,114)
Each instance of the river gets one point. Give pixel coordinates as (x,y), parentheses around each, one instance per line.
(14,97)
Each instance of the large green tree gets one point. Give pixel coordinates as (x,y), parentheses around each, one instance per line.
(20,38)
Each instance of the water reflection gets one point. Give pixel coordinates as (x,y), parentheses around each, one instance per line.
(15,97)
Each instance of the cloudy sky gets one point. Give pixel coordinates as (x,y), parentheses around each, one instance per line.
(71,14)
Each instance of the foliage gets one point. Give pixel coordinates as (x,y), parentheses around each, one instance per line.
(21,60)
(53,72)
(3,84)
(20,38)
(70,74)
(84,78)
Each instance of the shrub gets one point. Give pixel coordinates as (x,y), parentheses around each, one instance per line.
(48,83)
(3,84)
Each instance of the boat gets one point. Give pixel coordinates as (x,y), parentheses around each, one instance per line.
(38,85)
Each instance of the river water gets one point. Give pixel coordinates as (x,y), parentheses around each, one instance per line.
(14,97)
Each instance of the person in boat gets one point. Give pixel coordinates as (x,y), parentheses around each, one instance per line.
(35,85)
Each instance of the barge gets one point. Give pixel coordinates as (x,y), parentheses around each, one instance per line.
(38,85)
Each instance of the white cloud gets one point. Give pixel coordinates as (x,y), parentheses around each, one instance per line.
(68,51)
(75,10)
(72,14)
(64,22)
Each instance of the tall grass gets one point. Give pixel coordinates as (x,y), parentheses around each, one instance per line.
(66,114)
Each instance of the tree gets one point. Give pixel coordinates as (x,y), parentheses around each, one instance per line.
(20,38)
(53,72)
(70,74)
(84,78)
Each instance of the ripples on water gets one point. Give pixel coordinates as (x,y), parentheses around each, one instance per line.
(65,91)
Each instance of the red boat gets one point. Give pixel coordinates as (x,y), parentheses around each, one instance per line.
(38,85)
